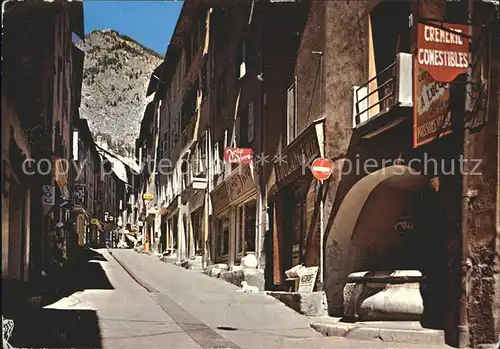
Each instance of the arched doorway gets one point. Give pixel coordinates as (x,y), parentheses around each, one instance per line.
(389,220)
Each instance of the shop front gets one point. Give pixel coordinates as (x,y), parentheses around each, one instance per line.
(295,205)
(235,223)
(219,238)
(193,201)
(171,218)
(242,193)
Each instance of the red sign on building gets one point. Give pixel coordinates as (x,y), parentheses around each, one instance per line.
(238,155)
(321,169)
(442,54)
(443,50)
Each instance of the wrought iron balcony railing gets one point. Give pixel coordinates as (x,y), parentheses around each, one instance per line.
(393,87)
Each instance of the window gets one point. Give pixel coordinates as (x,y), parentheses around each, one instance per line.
(221,93)
(237,131)
(385,42)
(166,152)
(201,154)
(217,160)
(203,27)
(189,105)
(221,28)
(204,82)
(176,130)
(291,113)
(242,58)
(250,124)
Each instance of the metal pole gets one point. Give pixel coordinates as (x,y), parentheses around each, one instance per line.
(463,327)
(321,235)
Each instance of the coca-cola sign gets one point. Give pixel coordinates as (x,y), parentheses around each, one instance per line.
(238,155)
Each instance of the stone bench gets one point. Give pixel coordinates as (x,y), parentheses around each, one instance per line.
(384,296)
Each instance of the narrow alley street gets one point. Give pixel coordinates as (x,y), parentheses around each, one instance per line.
(180,309)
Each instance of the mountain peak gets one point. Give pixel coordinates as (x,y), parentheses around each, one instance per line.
(115,78)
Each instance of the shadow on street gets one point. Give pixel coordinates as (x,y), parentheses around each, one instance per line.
(36,327)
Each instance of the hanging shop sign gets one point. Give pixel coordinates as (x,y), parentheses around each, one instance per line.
(240,184)
(79,194)
(48,195)
(94,221)
(148,196)
(443,50)
(60,171)
(297,154)
(238,155)
(442,55)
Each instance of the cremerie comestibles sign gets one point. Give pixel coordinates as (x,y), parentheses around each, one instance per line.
(442,55)
(443,52)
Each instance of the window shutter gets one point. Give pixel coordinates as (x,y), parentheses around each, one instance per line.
(250,121)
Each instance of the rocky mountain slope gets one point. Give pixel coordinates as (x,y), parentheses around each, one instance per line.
(115,79)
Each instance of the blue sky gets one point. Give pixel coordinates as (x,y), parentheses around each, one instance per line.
(149,22)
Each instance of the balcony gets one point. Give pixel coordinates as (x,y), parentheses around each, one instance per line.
(386,99)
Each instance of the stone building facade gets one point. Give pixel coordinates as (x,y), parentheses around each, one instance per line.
(41,84)
(88,218)
(374,189)
(331,79)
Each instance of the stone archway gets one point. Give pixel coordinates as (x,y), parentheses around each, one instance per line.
(367,213)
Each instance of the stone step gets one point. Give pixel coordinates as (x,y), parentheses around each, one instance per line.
(386,331)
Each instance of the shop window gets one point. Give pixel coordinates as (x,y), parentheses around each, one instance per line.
(174,225)
(222,229)
(291,113)
(298,224)
(246,216)
(197,221)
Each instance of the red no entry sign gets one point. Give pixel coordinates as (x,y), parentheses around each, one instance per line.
(321,169)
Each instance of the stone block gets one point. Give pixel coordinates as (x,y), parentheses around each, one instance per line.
(352,292)
(309,304)
(255,277)
(384,296)
(401,302)
(234,277)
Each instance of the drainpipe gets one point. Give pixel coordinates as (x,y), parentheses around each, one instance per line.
(322,186)
(206,216)
(463,327)
(498,179)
